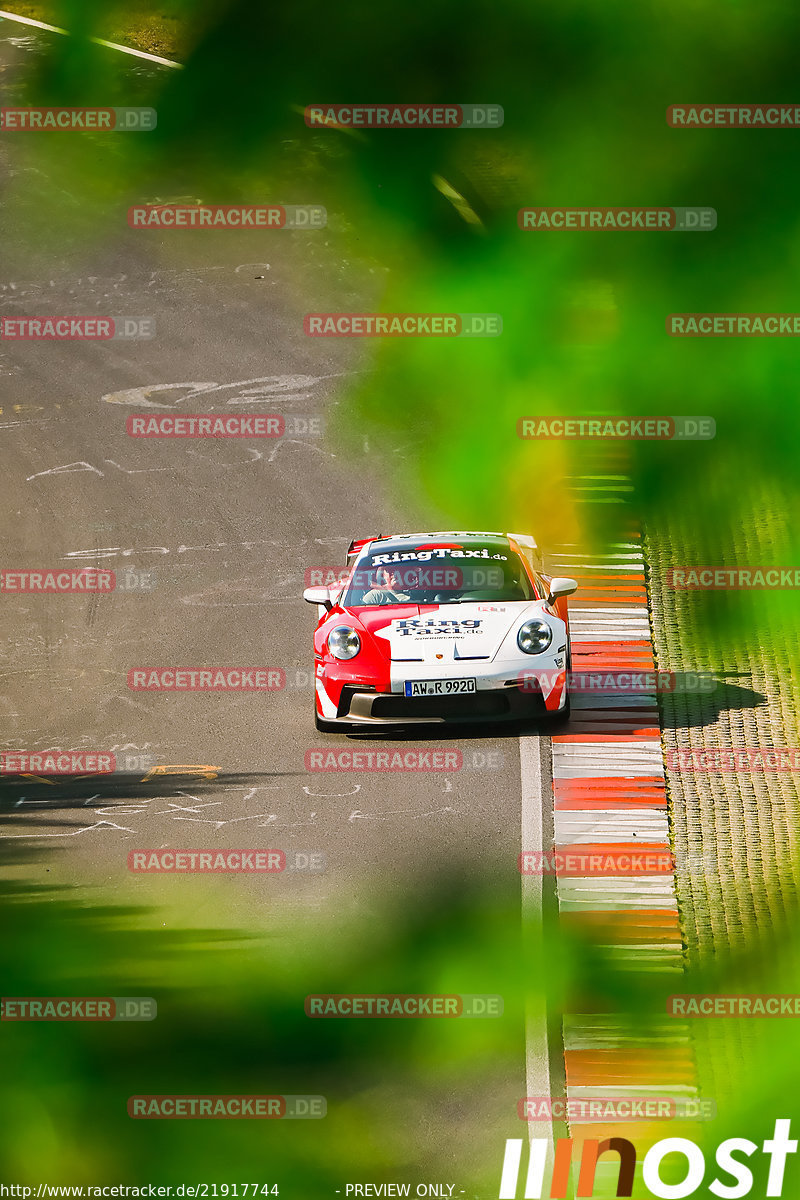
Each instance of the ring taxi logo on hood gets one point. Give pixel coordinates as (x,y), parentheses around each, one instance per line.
(436,626)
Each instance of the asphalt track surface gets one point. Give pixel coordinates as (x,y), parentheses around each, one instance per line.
(227,530)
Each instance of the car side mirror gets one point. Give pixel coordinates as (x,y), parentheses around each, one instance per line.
(318,595)
(561,586)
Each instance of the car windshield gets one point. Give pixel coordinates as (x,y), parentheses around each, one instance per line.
(438,576)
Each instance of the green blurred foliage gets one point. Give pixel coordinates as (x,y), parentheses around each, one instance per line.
(584,89)
(231,1019)
(584,92)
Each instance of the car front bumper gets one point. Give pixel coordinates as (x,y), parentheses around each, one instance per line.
(359,706)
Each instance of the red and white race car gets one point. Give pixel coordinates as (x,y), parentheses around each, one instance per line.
(441,627)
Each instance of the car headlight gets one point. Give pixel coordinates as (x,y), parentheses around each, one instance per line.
(534,637)
(344,642)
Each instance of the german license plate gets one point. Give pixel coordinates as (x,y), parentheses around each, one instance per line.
(439,687)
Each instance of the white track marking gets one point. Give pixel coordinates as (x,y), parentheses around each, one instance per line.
(537,1043)
(164,62)
(575,826)
(616,571)
(572,760)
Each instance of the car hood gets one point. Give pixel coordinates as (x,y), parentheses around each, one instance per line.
(438,633)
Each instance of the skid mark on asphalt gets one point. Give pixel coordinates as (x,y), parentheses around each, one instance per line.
(247,391)
(194,810)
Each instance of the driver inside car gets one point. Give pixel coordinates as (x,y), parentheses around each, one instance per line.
(388,592)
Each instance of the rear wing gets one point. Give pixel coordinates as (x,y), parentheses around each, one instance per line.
(358,544)
(529,548)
